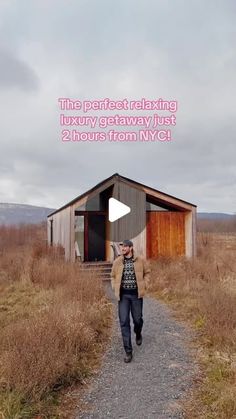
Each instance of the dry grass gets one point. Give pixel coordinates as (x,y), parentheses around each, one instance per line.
(221,225)
(19,235)
(204,292)
(54,320)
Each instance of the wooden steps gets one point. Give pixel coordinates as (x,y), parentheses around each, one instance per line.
(102,269)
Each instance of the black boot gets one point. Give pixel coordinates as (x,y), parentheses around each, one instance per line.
(128,357)
(139,339)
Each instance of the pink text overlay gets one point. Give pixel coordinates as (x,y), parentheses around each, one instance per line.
(131,120)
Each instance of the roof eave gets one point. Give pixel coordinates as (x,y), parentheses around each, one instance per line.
(115,175)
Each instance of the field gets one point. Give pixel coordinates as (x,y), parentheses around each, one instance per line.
(203,293)
(53,322)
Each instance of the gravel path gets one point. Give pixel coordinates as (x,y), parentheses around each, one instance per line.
(159,375)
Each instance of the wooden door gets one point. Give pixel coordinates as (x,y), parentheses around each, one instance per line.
(165,233)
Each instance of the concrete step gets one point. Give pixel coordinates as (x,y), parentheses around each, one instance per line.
(96,265)
(102,269)
(91,268)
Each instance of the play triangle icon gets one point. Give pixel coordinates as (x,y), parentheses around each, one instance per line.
(117,209)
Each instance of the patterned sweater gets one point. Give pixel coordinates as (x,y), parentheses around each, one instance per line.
(128,281)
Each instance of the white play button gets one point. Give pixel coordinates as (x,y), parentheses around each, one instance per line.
(117,209)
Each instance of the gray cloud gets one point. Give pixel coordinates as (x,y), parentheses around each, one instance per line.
(181,50)
(14,73)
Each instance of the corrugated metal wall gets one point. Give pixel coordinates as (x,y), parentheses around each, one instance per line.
(61,230)
(132,226)
(182,225)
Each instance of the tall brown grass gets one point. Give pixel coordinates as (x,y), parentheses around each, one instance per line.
(224,225)
(54,321)
(20,235)
(203,290)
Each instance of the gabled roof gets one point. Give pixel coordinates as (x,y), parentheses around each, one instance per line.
(116,176)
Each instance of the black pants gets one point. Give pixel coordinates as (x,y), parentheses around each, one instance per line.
(130,303)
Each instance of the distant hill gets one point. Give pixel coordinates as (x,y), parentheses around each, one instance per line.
(19,213)
(215,215)
(30,214)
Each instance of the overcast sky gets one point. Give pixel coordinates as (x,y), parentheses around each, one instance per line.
(181,49)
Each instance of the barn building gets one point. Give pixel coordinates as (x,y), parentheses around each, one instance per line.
(159,224)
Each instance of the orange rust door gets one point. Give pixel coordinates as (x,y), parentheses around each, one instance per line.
(165,233)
